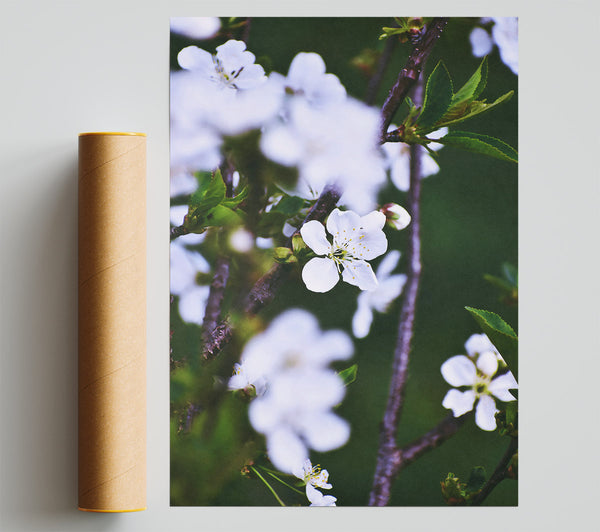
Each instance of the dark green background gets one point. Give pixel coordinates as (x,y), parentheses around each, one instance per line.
(469,228)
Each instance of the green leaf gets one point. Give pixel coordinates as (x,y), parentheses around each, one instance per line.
(270,224)
(348,375)
(209,196)
(499,282)
(438,96)
(235,201)
(289,205)
(482,144)
(464,110)
(476,479)
(474,86)
(284,255)
(203,179)
(500,334)
(223,216)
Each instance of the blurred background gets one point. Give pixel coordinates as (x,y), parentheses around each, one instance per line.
(469,228)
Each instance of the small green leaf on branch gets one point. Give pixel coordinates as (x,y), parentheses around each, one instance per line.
(438,97)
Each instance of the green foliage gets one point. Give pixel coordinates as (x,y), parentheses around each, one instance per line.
(209,206)
(407,27)
(284,255)
(348,375)
(289,205)
(500,334)
(438,97)
(508,284)
(458,493)
(482,144)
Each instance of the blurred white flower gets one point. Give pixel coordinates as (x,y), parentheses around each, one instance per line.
(183,183)
(397,156)
(505,35)
(316,498)
(231,67)
(241,240)
(482,387)
(307,78)
(336,143)
(185,266)
(388,289)
(199,28)
(356,239)
(288,365)
(478,344)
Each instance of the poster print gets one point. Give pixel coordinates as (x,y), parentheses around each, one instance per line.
(343,248)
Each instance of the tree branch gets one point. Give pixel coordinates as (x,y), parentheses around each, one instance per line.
(215,299)
(265,289)
(498,475)
(409,75)
(389,457)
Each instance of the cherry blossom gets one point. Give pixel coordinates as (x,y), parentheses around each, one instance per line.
(296,390)
(356,240)
(483,387)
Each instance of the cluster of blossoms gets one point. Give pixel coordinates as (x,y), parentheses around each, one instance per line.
(288,366)
(306,118)
(504,34)
(477,371)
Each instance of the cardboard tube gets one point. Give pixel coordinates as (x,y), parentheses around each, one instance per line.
(112,322)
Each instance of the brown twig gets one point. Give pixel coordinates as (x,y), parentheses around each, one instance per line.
(409,75)
(498,475)
(215,298)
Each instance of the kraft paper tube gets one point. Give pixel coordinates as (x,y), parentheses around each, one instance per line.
(112,322)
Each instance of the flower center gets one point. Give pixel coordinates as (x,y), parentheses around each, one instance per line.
(225,78)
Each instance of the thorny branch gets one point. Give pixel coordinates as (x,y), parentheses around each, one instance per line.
(409,75)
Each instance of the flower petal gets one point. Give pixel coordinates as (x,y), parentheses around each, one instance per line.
(286,450)
(363,317)
(341,223)
(481,42)
(459,371)
(485,412)
(305,67)
(501,385)
(387,291)
(459,402)
(279,144)
(320,274)
(324,431)
(372,222)
(359,273)
(192,304)
(194,58)
(387,264)
(316,498)
(478,343)
(313,234)
(487,362)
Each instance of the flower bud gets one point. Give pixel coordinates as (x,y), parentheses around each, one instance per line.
(396,216)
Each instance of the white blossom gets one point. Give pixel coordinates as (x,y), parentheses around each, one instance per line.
(505,35)
(307,78)
(232,67)
(315,477)
(482,386)
(388,289)
(296,390)
(199,28)
(397,156)
(356,240)
(337,143)
(396,216)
